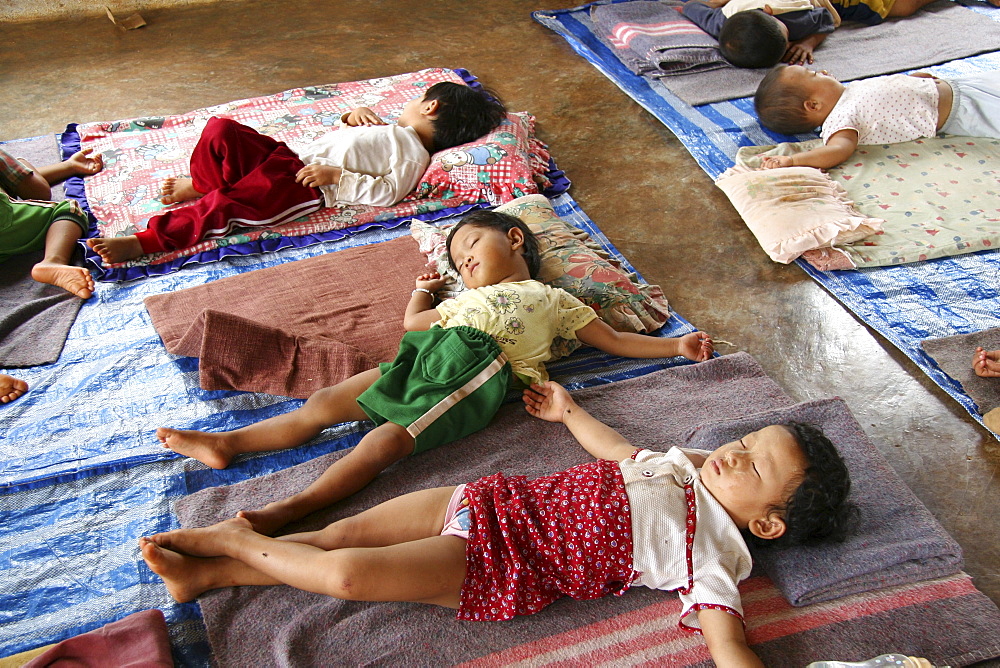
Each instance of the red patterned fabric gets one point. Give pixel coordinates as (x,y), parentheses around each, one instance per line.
(248,180)
(534,541)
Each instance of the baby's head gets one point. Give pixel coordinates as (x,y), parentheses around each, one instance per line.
(783,485)
(792,99)
(489,247)
(753,38)
(457,113)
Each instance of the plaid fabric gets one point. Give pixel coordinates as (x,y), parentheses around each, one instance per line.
(12,172)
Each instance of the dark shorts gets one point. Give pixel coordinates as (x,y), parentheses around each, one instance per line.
(444,384)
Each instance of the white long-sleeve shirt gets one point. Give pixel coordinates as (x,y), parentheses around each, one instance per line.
(380,164)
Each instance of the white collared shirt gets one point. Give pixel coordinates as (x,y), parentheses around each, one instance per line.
(669,504)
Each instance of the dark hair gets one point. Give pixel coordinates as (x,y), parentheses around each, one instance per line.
(752,38)
(464,114)
(781,107)
(817,511)
(503,222)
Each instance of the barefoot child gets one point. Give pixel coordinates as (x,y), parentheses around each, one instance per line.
(670,521)
(454,367)
(244,179)
(30,224)
(882,110)
(11,388)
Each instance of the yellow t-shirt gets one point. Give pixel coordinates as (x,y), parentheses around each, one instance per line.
(524,317)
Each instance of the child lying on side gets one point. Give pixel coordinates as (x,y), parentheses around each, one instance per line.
(500,547)
(241,178)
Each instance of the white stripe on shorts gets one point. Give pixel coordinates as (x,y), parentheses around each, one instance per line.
(439,409)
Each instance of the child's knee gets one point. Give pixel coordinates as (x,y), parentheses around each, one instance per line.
(391,441)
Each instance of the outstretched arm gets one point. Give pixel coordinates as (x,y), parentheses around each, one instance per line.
(81,163)
(552,403)
(837,149)
(726,639)
(420,312)
(696,346)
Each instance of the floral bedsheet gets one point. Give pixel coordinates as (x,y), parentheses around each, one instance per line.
(940,197)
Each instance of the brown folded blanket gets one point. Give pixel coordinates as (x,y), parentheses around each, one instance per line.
(297,327)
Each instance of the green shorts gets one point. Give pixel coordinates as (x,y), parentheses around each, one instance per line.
(444,384)
(24,223)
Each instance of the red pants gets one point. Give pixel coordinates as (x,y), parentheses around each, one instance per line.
(248,180)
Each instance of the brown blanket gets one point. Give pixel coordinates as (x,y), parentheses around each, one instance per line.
(292,329)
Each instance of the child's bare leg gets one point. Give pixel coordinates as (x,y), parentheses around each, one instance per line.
(384,445)
(11,388)
(178,189)
(55,268)
(986,363)
(188,577)
(902,8)
(408,561)
(325,407)
(116,249)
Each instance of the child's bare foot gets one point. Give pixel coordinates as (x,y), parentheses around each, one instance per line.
(11,388)
(208,448)
(178,189)
(180,572)
(210,541)
(986,363)
(116,249)
(75,280)
(270,518)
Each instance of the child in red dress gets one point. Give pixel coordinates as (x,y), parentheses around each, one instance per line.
(670,521)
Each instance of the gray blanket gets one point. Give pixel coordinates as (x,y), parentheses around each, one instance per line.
(652,37)
(656,411)
(943,30)
(954,355)
(896,539)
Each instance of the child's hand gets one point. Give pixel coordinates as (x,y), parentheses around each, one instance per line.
(549,401)
(363,116)
(986,363)
(696,346)
(432,281)
(83,164)
(774,161)
(314,176)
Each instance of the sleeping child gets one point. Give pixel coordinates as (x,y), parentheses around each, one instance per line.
(884,110)
(451,374)
(503,546)
(241,178)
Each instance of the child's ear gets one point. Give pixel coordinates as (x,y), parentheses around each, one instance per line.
(516,237)
(768,10)
(429,108)
(812,106)
(770,527)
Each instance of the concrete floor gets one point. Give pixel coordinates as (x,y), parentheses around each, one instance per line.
(629,173)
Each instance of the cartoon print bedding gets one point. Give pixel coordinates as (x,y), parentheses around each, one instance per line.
(139,153)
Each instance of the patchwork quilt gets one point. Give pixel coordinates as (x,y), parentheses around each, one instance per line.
(140,153)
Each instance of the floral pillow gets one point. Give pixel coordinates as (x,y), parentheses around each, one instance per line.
(507,163)
(570,260)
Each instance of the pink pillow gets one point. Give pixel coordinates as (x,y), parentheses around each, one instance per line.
(507,163)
